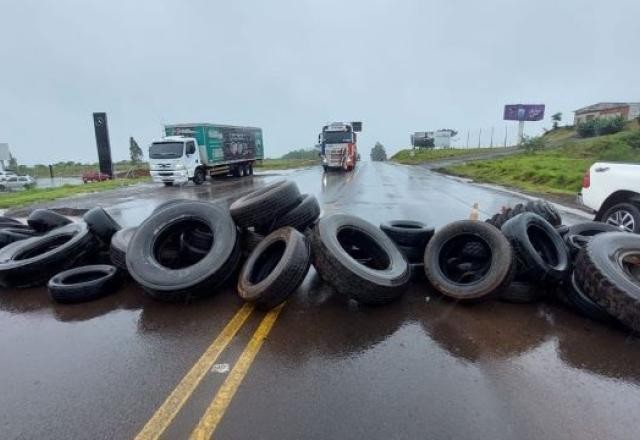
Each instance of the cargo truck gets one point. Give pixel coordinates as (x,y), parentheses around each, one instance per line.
(338,145)
(195,151)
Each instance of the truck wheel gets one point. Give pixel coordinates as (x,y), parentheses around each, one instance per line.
(325,168)
(168,183)
(250,167)
(624,216)
(198,176)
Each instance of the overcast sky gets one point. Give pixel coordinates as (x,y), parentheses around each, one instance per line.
(291,66)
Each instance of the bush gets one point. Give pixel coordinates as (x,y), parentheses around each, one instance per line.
(531,145)
(588,128)
(633,139)
(610,125)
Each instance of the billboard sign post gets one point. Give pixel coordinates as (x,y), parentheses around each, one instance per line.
(522,113)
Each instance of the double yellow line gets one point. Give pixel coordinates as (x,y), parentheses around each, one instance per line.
(165,414)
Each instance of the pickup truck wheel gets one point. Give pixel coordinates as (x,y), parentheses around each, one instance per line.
(624,216)
(198,176)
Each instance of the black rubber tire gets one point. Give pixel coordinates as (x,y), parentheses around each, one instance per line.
(519,292)
(632,209)
(118,248)
(577,300)
(562,230)
(540,207)
(305,214)
(383,280)
(5,219)
(168,203)
(541,259)
(579,234)
(84,283)
(490,279)
(168,183)
(249,240)
(12,225)
(417,272)
(602,275)
(275,269)
(33,261)
(101,224)
(412,254)
(198,238)
(11,235)
(251,169)
(408,233)
(45,220)
(265,205)
(199,177)
(193,281)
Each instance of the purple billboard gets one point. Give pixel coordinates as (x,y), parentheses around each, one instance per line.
(523,112)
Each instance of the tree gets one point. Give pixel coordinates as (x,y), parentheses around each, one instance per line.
(531,145)
(135,151)
(452,132)
(13,162)
(301,154)
(378,154)
(556,118)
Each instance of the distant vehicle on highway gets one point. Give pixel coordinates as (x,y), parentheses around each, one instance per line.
(612,192)
(10,181)
(195,151)
(94,176)
(338,145)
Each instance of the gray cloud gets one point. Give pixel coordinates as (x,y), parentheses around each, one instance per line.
(289,67)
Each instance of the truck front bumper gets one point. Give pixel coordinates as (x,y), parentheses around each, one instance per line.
(170,176)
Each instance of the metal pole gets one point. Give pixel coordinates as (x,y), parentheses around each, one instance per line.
(51,171)
(479,136)
(520,132)
(505,136)
(468,134)
(491,137)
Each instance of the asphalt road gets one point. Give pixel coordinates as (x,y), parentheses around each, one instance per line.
(319,367)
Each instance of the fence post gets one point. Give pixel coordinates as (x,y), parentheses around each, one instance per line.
(51,171)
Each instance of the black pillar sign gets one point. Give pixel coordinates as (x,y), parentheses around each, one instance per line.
(102,140)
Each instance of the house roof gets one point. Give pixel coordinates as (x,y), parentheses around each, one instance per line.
(602,106)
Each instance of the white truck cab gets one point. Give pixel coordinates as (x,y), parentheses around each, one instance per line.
(175,160)
(612,192)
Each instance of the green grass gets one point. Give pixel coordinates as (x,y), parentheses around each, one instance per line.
(555,170)
(283,164)
(35,195)
(75,170)
(429,155)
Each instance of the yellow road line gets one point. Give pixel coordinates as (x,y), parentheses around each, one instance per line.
(172,405)
(212,416)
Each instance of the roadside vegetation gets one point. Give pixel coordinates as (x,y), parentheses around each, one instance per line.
(26,197)
(424,155)
(555,162)
(293,159)
(378,153)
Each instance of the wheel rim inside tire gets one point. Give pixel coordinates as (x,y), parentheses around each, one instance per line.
(460,268)
(363,248)
(623,220)
(543,245)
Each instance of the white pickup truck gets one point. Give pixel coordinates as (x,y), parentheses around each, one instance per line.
(612,191)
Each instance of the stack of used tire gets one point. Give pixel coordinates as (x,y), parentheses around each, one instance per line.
(411,238)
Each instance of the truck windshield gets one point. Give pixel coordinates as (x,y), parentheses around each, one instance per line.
(166,150)
(337,137)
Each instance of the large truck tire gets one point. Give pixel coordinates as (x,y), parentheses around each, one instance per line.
(101,224)
(33,261)
(408,232)
(540,207)
(541,254)
(573,295)
(249,240)
(265,205)
(44,220)
(118,249)
(463,278)
(199,176)
(305,214)
(182,282)
(379,279)
(84,283)
(275,269)
(11,235)
(608,271)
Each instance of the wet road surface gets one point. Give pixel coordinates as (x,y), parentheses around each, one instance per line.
(421,367)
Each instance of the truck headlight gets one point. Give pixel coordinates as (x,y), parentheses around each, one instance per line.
(179,166)
(324,159)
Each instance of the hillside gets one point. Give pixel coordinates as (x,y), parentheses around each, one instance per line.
(559,167)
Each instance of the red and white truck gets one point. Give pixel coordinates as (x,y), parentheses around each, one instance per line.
(338,145)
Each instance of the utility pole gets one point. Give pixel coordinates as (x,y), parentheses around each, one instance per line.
(520,131)
(505,136)
(468,134)
(491,137)
(479,137)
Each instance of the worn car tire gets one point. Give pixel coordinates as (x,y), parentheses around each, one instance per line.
(84,283)
(468,285)
(540,252)
(305,214)
(44,220)
(168,203)
(380,280)
(408,232)
(10,235)
(540,207)
(179,283)
(5,219)
(275,269)
(411,253)
(249,240)
(519,292)
(118,247)
(607,272)
(265,205)
(575,297)
(579,234)
(101,224)
(33,261)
